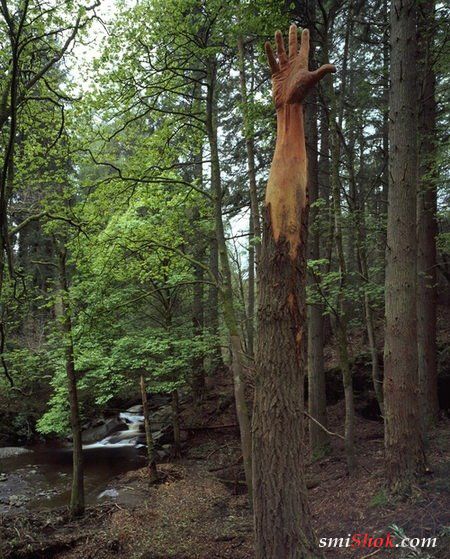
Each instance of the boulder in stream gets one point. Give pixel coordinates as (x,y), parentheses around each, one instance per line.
(101,429)
(10,451)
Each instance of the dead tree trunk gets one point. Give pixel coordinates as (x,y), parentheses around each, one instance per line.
(282,519)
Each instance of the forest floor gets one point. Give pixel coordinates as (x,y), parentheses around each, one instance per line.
(199,510)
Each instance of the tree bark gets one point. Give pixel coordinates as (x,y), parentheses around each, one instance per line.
(280,505)
(251,289)
(426,221)
(404,451)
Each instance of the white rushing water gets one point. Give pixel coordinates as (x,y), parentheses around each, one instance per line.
(130,436)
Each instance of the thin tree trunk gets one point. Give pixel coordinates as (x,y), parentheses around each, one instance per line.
(360,214)
(151,455)
(226,288)
(176,423)
(250,147)
(341,318)
(198,368)
(251,290)
(426,221)
(213,306)
(255,218)
(317,404)
(404,451)
(77,492)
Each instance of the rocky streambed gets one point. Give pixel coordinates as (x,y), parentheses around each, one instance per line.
(39,477)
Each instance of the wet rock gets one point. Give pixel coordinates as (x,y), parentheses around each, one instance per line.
(3,477)
(101,429)
(137,409)
(9,451)
(108,493)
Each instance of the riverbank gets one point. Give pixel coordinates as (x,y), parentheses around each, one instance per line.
(199,510)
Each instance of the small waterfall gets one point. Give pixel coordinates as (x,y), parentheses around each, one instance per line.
(133,435)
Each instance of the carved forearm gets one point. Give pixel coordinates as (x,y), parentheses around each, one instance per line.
(286,193)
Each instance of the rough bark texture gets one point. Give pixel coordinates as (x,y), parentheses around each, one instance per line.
(152,470)
(404,451)
(426,222)
(280,503)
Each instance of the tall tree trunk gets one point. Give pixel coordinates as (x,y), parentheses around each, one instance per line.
(152,469)
(255,218)
(341,319)
(404,451)
(250,147)
(281,509)
(360,213)
(213,305)
(426,221)
(226,287)
(77,492)
(251,289)
(282,518)
(317,402)
(198,367)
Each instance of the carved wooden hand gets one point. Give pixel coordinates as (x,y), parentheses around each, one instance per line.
(291,79)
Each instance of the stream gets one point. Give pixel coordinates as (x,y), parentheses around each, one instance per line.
(41,477)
